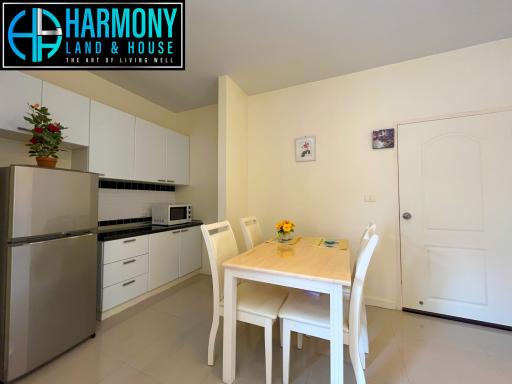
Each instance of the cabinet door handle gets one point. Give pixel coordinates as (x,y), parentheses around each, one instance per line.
(128,283)
(161,180)
(129,261)
(176,232)
(24,129)
(129,241)
(184,230)
(170,181)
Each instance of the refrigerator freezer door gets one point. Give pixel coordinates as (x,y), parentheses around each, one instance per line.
(47,201)
(52,295)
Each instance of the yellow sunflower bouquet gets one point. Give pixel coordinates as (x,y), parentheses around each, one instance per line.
(285,230)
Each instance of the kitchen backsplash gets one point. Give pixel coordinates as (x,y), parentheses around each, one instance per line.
(116,204)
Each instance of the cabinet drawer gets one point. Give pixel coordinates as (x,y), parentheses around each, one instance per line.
(114,273)
(121,249)
(124,291)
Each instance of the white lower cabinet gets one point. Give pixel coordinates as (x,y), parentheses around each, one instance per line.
(164,260)
(133,266)
(121,249)
(119,271)
(124,291)
(191,249)
(124,271)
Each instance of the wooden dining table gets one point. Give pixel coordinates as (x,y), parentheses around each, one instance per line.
(303,265)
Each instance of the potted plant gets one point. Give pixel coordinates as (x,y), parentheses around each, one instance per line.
(46,136)
(285,230)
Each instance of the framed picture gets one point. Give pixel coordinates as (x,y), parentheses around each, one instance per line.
(305,148)
(383,138)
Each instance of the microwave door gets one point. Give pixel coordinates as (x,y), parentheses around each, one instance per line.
(177,213)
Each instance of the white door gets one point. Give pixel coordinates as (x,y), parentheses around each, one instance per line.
(190,255)
(455,182)
(164,250)
(71,110)
(17,90)
(150,144)
(177,158)
(112,142)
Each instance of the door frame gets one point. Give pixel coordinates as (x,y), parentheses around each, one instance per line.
(397,125)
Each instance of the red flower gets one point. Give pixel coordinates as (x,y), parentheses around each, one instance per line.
(53,128)
(33,140)
(38,130)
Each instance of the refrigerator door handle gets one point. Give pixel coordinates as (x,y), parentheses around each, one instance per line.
(50,238)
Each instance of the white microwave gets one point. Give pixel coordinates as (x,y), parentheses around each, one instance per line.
(171,214)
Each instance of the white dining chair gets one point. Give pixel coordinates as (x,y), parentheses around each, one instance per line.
(309,314)
(251,231)
(368,232)
(257,304)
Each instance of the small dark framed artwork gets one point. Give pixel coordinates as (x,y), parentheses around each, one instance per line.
(383,138)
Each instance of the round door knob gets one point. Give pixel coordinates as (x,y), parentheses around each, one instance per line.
(406,215)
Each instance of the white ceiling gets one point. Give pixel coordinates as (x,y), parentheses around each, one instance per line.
(268,44)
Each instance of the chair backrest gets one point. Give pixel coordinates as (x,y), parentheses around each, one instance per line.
(368,232)
(221,246)
(251,231)
(356,295)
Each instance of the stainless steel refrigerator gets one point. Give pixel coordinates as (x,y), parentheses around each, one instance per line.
(48,254)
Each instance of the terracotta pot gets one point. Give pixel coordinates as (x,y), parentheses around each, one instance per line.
(46,162)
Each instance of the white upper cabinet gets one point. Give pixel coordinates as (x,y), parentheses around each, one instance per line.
(71,110)
(112,142)
(161,155)
(177,158)
(150,150)
(17,90)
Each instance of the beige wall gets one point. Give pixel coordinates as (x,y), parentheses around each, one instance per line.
(233,124)
(201,125)
(326,197)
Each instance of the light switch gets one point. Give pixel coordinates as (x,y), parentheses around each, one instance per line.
(370,198)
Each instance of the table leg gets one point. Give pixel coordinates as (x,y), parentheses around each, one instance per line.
(336,307)
(229,345)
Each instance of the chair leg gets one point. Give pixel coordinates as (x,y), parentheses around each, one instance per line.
(300,338)
(364,330)
(281,332)
(286,352)
(362,354)
(268,351)
(355,358)
(211,342)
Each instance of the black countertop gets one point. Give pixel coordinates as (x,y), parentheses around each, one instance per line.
(123,233)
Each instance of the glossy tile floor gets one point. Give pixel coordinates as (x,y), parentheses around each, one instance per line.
(164,340)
